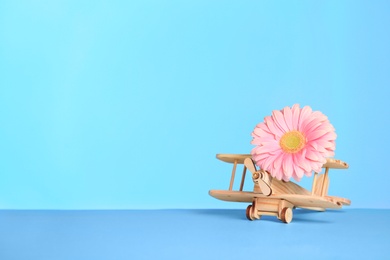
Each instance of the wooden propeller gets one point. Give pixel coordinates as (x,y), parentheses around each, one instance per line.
(261,177)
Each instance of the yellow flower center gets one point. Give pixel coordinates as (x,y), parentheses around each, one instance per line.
(292,142)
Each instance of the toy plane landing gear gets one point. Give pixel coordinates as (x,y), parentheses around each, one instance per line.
(278,198)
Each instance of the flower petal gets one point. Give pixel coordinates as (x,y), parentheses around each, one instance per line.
(304,115)
(288,118)
(288,166)
(319,142)
(315,135)
(295,116)
(272,127)
(279,120)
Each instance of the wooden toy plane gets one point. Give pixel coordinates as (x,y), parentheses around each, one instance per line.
(278,198)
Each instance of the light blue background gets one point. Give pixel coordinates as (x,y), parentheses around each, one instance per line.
(124,104)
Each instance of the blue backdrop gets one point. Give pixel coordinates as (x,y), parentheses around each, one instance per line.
(124,104)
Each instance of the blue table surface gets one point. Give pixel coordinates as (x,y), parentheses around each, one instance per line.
(192,234)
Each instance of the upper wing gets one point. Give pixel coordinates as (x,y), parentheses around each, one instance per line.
(231,158)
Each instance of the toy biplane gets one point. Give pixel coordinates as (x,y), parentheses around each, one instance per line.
(278,198)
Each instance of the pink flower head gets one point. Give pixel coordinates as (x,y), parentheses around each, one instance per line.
(293,142)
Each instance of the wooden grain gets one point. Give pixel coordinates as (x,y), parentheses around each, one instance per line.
(335,164)
(339,200)
(250,165)
(281,187)
(295,199)
(230,158)
(313,187)
(318,184)
(284,195)
(233,175)
(243,178)
(286,215)
(325,183)
(331,163)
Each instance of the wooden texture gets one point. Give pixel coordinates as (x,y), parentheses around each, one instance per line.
(278,198)
(286,215)
(233,175)
(325,183)
(282,209)
(281,187)
(230,158)
(296,199)
(260,178)
(335,164)
(315,181)
(243,178)
(339,200)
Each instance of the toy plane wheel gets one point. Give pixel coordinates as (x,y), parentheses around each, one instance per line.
(249,213)
(286,215)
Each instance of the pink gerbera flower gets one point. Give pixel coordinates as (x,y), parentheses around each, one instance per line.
(293,142)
